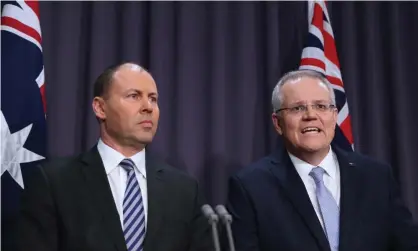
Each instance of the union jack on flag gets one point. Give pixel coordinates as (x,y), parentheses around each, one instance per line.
(320,54)
(23,109)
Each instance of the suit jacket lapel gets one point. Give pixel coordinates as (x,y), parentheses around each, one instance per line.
(155,187)
(98,184)
(351,183)
(295,190)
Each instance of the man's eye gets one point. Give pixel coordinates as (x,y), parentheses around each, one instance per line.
(154,99)
(298,108)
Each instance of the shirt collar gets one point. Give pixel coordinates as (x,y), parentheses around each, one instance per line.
(304,168)
(112,158)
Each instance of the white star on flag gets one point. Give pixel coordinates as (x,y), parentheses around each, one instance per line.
(12,151)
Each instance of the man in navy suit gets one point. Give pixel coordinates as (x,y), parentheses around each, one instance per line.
(312,195)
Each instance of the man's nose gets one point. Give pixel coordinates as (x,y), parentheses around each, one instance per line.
(310,113)
(146,105)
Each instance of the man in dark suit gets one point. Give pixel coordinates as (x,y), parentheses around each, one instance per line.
(311,195)
(115,196)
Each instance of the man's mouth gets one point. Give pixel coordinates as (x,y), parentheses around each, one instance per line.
(311,130)
(146,122)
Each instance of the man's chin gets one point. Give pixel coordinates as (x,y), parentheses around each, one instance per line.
(145,139)
(313,148)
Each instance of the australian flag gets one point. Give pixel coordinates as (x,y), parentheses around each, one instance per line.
(320,54)
(23,109)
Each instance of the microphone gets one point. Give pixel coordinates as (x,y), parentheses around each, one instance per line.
(213,221)
(226,218)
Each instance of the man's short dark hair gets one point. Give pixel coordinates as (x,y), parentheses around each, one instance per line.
(104,80)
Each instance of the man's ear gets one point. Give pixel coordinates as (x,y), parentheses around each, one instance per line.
(99,108)
(276,122)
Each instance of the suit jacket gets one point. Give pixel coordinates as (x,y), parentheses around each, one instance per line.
(272,211)
(68,205)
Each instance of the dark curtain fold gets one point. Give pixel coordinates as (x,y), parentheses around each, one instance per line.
(216,64)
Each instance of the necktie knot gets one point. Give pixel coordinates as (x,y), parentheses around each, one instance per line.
(317,173)
(127,164)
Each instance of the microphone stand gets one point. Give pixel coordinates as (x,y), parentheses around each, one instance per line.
(227,220)
(215,236)
(213,221)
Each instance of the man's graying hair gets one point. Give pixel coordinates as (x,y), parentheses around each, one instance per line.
(277,97)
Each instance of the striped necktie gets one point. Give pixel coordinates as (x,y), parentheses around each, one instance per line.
(328,206)
(133,210)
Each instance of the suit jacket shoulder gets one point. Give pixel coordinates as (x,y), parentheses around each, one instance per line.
(59,166)
(366,166)
(256,169)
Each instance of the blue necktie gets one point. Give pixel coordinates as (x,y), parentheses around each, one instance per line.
(133,210)
(328,207)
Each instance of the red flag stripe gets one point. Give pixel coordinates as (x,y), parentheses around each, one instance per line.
(346,129)
(42,90)
(313,62)
(11,22)
(335,81)
(34,5)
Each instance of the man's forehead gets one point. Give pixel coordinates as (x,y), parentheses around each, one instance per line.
(307,80)
(305,88)
(304,84)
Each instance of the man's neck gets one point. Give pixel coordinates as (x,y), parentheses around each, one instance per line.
(125,150)
(313,158)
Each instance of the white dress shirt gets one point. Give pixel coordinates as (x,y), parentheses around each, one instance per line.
(117,175)
(331,178)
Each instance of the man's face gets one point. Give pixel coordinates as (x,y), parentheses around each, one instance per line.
(311,130)
(130,108)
